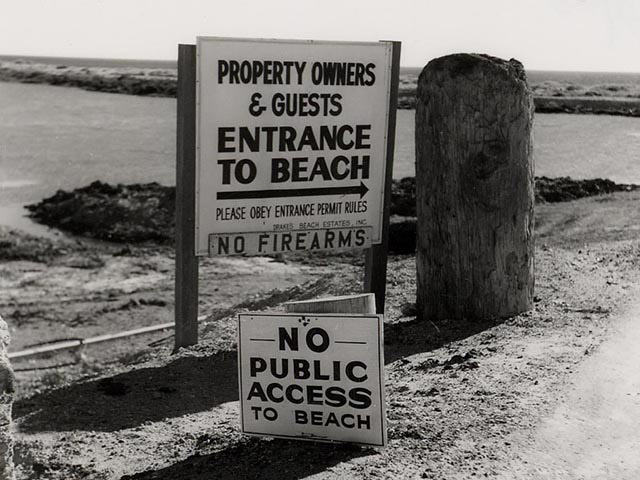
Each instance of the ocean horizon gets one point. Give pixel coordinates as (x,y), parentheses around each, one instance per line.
(586,78)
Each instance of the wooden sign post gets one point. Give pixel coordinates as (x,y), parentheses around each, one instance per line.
(375,274)
(186,281)
(293,144)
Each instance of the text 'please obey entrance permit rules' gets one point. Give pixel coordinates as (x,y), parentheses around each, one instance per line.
(314,377)
(291,145)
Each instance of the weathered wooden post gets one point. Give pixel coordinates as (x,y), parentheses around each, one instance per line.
(186,282)
(474,181)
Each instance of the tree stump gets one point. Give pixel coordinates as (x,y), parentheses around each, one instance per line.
(474,189)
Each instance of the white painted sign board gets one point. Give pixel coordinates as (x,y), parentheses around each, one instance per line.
(291,144)
(312,377)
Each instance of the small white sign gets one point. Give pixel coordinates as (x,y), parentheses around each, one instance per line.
(291,135)
(289,241)
(312,377)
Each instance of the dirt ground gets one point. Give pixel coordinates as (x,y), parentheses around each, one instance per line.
(464,399)
(593,432)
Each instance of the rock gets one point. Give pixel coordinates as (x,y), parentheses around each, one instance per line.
(469,365)
(428,364)
(432,392)
(463,362)
(455,359)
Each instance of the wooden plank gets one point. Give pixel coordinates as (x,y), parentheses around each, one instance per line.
(375,278)
(186,282)
(363,303)
(107,337)
(88,341)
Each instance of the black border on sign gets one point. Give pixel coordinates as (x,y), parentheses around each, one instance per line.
(240,375)
(383,415)
(392,89)
(383,422)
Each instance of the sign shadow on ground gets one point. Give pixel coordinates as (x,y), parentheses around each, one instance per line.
(407,338)
(123,401)
(184,386)
(254,458)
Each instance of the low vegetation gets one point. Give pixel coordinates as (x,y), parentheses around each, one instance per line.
(145,212)
(549,96)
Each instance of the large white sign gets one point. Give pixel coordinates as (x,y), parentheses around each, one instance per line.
(291,144)
(314,377)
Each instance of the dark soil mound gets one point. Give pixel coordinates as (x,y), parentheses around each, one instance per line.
(145,212)
(118,213)
(402,233)
(564,189)
(403,197)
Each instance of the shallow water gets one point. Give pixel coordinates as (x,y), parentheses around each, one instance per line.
(15,216)
(61,138)
(578,146)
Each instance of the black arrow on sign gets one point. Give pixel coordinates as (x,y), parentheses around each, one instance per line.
(300,192)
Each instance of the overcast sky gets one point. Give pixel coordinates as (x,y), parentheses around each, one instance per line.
(591,35)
